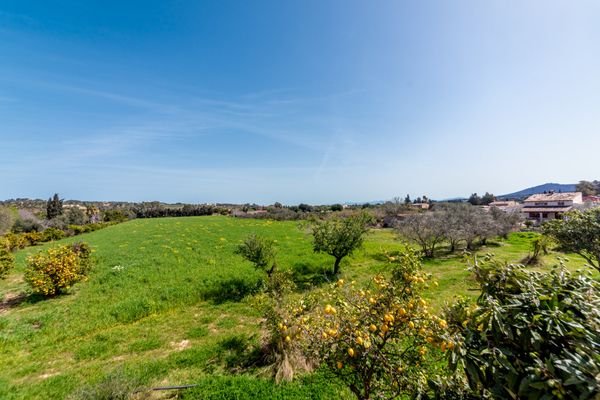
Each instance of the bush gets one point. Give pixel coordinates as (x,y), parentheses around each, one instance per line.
(24,225)
(6,258)
(53,234)
(56,270)
(531,335)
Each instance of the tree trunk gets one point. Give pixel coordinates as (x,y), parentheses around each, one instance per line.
(336,265)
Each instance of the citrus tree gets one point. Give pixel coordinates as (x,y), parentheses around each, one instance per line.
(377,339)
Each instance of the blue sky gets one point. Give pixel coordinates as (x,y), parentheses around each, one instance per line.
(311,101)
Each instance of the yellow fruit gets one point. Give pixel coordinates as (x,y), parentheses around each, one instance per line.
(372,328)
(372,300)
(288,339)
(388,318)
(359,340)
(384,328)
(411,325)
(340,365)
(351,352)
(442,323)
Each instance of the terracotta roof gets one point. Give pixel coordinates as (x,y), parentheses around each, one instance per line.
(546,209)
(554,196)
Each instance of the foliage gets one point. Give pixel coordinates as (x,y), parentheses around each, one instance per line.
(540,245)
(339,237)
(531,335)
(76,216)
(6,220)
(25,225)
(588,188)
(54,207)
(59,268)
(115,215)
(260,251)
(425,229)
(376,341)
(6,258)
(53,234)
(281,348)
(578,232)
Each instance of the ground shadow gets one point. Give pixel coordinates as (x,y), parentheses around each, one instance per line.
(237,353)
(231,290)
(13,300)
(307,276)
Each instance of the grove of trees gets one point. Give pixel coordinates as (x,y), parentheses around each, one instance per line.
(456,223)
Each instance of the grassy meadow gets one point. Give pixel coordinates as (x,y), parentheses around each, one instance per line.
(166,305)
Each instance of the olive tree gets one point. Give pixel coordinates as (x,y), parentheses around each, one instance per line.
(339,237)
(427,230)
(578,232)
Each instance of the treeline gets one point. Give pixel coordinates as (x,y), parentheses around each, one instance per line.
(157,210)
(456,224)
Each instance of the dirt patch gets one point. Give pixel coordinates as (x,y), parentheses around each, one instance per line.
(179,346)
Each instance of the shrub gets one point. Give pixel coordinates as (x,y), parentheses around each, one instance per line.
(115,386)
(6,258)
(27,225)
(59,268)
(15,241)
(531,335)
(281,350)
(376,339)
(53,234)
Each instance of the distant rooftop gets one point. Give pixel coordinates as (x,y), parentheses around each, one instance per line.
(554,196)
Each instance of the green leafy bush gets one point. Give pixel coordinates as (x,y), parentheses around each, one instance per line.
(531,335)
(56,270)
(6,258)
(53,234)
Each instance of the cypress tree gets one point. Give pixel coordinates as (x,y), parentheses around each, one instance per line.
(54,207)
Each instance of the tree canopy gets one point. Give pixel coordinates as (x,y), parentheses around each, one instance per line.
(578,232)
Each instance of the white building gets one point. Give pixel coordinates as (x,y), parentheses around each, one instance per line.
(545,206)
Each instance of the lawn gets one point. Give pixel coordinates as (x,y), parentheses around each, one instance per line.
(166,305)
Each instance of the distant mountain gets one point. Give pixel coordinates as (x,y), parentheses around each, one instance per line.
(546,187)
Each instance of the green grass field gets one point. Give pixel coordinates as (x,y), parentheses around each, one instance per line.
(165,306)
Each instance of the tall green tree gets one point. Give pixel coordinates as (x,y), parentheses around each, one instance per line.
(578,232)
(339,237)
(54,207)
(587,188)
